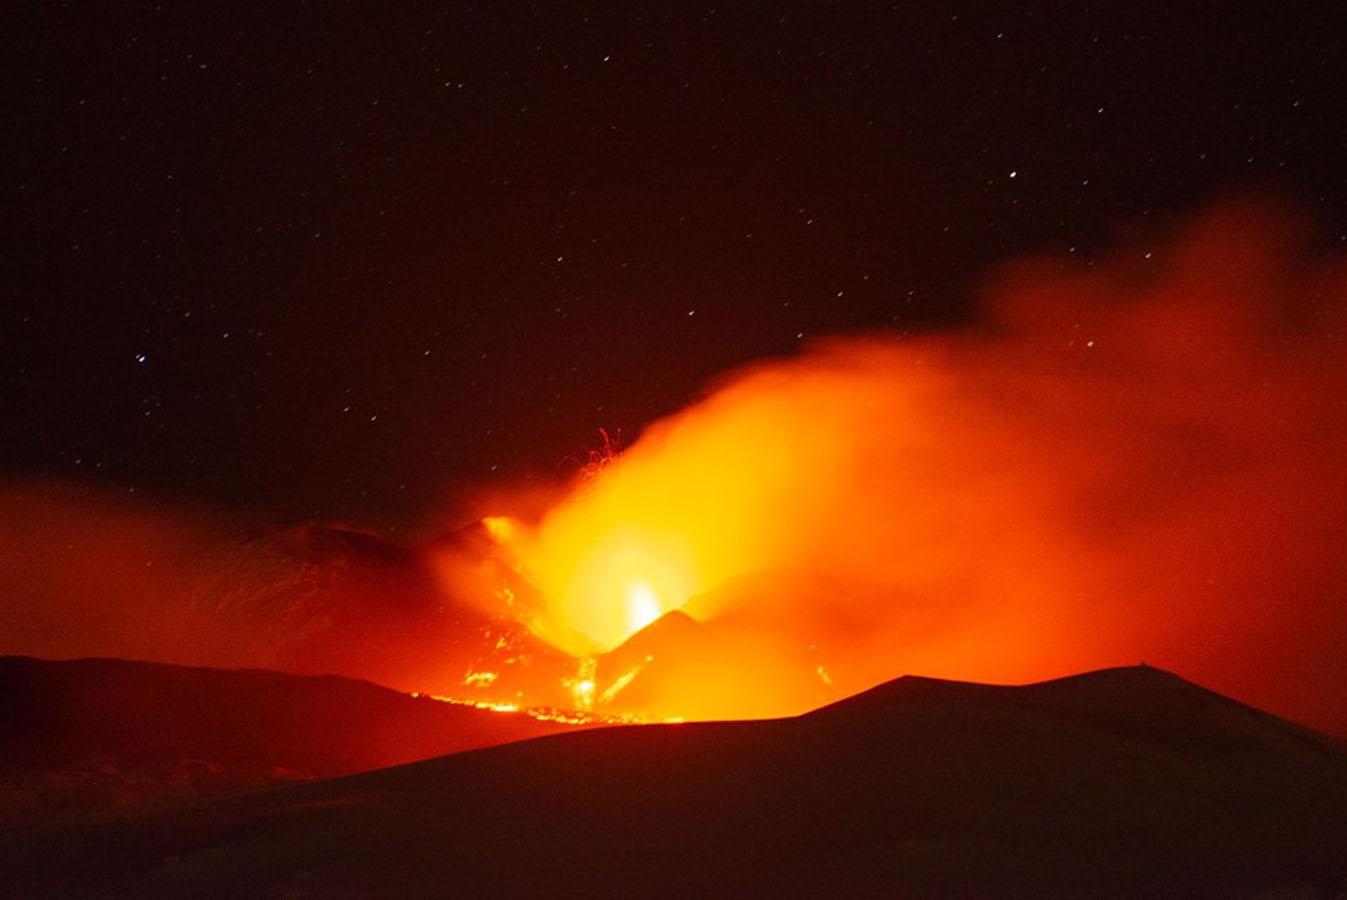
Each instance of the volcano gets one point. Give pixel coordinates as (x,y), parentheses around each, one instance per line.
(771,643)
(678,665)
(1118,783)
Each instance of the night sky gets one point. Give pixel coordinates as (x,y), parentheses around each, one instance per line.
(340,261)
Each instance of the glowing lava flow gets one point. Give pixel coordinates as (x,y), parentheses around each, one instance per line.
(552,714)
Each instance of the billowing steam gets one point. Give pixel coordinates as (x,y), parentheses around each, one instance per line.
(1134,460)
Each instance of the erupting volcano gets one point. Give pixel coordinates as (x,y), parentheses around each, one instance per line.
(1131,460)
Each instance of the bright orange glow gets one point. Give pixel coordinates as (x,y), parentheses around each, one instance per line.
(480,679)
(643,607)
(604,586)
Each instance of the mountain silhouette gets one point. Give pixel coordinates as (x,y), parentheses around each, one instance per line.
(1120,783)
(81,736)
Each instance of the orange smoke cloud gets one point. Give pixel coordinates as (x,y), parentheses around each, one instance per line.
(1135,460)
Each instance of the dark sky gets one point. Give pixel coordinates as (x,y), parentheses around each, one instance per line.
(334,260)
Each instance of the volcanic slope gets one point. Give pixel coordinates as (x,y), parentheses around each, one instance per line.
(79,736)
(1124,783)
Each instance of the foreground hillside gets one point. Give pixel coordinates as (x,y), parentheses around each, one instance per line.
(1125,783)
(85,735)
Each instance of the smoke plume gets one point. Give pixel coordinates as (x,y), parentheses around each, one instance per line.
(1137,459)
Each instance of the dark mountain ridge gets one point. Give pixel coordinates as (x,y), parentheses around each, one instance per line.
(77,736)
(1122,783)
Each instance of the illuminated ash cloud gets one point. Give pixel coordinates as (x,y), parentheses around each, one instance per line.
(1133,459)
